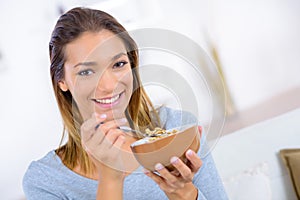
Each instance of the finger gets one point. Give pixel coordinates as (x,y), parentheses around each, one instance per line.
(103,151)
(98,136)
(102,130)
(104,140)
(114,124)
(194,159)
(175,172)
(99,119)
(200,131)
(157,179)
(168,176)
(120,140)
(88,131)
(160,182)
(99,124)
(185,172)
(112,136)
(88,127)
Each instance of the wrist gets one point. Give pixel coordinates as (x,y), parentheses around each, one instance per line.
(190,193)
(111,184)
(111,175)
(187,193)
(110,189)
(113,179)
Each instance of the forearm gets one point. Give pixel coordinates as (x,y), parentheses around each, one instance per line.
(110,189)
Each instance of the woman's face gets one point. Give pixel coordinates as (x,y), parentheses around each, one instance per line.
(98,74)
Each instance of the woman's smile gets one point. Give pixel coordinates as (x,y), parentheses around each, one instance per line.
(109,102)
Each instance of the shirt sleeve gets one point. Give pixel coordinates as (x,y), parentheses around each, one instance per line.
(208,181)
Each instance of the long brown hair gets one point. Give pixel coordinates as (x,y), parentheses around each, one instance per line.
(68,28)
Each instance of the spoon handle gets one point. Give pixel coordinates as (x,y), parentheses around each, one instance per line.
(128,129)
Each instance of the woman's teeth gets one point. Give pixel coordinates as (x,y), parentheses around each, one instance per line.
(108,101)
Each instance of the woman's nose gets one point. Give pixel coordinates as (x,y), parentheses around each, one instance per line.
(107,82)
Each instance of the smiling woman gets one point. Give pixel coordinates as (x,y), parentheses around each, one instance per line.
(98,74)
(94,71)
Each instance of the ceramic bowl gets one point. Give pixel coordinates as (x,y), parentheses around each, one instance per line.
(148,153)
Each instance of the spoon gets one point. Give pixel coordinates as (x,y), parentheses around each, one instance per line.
(128,129)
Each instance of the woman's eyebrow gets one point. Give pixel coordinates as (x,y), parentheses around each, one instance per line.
(95,63)
(85,64)
(118,56)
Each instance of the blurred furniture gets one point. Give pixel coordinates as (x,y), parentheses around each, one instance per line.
(249,163)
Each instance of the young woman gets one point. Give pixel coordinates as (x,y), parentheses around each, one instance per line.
(94,71)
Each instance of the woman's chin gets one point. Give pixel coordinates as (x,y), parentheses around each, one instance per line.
(116,114)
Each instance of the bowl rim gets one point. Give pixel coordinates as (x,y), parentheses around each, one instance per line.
(179,129)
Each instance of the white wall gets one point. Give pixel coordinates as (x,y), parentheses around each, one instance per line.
(257,41)
(259,47)
(254,39)
(29,118)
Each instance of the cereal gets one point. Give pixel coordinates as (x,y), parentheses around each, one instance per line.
(158,133)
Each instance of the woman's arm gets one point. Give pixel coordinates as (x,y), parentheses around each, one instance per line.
(110,189)
(208,181)
(103,142)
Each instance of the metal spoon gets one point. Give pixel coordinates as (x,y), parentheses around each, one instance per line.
(128,129)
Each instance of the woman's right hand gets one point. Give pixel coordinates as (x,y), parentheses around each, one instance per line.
(103,142)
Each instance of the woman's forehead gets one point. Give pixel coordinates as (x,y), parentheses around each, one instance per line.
(100,46)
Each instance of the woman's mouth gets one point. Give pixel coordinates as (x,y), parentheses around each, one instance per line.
(110,101)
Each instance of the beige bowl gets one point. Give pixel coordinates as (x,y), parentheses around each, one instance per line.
(148,153)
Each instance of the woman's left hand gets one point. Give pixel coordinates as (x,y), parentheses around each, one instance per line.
(178,184)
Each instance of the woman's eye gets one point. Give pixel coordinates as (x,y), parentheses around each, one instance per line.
(120,64)
(85,72)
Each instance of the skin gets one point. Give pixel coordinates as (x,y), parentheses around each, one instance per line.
(97,67)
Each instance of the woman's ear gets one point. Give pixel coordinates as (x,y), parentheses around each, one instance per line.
(63,85)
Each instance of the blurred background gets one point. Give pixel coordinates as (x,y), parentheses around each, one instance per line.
(255,45)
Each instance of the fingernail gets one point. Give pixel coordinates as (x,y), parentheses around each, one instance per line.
(103,116)
(190,152)
(200,128)
(159,167)
(174,160)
